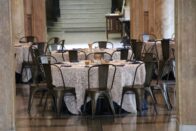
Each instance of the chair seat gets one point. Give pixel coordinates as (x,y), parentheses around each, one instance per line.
(96,90)
(131,87)
(64,89)
(39,86)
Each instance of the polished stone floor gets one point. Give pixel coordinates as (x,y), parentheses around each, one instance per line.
(148,121)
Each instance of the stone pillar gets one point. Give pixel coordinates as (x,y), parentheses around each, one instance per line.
(18,30)
(153,17)
(39,28)
(137,18)
(28,17)
(7,72)
(35,18)
(185,21)
(164,18)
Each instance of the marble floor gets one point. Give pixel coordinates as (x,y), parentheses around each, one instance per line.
(148,121)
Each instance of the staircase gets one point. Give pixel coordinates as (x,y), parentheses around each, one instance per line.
(81,15)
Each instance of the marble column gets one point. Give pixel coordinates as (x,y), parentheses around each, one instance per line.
(35,18)
(7,72)
(18,30)
(137,18)
(28,17)
(185,21)
(39,28)
(164,18)
(153,17)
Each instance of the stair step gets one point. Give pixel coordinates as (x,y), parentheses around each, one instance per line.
(89,6)
(68,11)
(80,20)
(85,15)
(56,29)
(63,25)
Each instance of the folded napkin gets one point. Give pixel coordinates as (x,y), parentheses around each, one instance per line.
(17,45)
(66,65)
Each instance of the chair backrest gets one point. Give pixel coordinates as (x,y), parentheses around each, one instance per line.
(48,74)
(149,72)
(40,46)
(165,48)
(34,52)
(147,37)
(36,70)
(27,39)
(148,57)
(103,44)
(132,41)
(105,73)
(123,53)
(73,55)
(55,46)
(151,48)
(99,55)
(126,41)
(137,50)
(53,40)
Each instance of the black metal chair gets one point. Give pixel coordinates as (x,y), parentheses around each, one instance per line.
(37,86)
(54,44)
(137,50)
(26,39)
(57,92)
(102,44)
(124,52)
(29,63)
(166,63)
(151,48)
(73,55)
(164,68)
(126,41)
(102,89)
(140,90)
(98,56)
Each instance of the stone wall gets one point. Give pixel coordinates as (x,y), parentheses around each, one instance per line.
(7,83)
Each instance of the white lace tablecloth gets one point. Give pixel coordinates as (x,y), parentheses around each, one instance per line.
(76,76)
(21,55)
(21,52)
(81,55)
(159,48)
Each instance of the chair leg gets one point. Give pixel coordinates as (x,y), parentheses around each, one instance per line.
(94,98)
(84,107)
(40,102)
(59,101)
(45,104)
(31,97)
(30,102)
(21,72)
(153,98)
(139,93)
(166,96)
(121,102)
(108,95)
